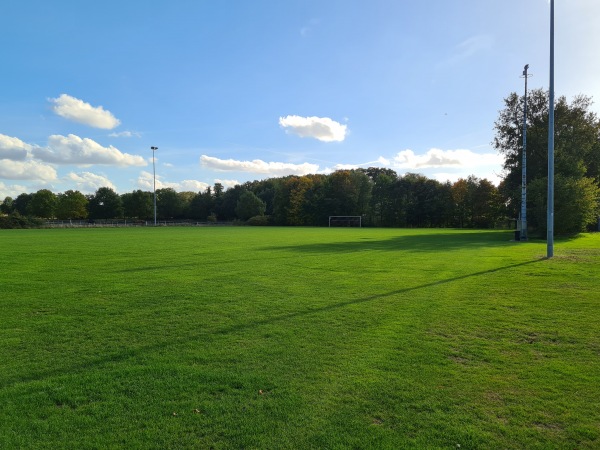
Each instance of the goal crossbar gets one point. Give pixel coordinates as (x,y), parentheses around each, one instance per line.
(345,221)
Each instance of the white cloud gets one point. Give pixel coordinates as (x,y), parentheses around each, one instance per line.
(125,134)
(26,170)
(258,166)
(321,128)
(11,191)
(453,164)
(88,183)
(192,185)
(79,111)
(146,182)
(227,183)
(407,159)
(13,148)
(330,170)
(75,150)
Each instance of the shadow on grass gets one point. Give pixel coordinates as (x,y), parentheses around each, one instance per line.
(207,336)
(419,242)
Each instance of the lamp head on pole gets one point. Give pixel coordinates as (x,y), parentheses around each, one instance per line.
(153,148)
(525,69)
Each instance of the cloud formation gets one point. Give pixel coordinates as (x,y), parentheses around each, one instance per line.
(72,149)
(10,191)
(26,170)
(146,181)
(13,148)
(227,183)
(88,183)
(321,128)
(258,166)
(126,134)
(192,185)
(407,159)
(79,111)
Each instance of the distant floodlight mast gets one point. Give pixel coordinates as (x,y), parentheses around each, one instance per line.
(550,213)
(154,185)
(523,235)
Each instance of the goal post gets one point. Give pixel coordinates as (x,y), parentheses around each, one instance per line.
(345,221)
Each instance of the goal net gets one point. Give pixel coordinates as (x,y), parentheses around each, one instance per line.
(345,221)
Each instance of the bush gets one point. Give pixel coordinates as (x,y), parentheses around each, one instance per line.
(259,221)
(15,220)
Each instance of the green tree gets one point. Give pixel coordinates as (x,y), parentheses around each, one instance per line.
(105,204)
(138,204)
(71,205)
(168,203)
(7,205)
(265,190)
(461,197)
(577,199)
(42,204)
(249,205)
(382,211)
(185,203)
(202,205)
(226,203)
(486,210)
(21,203)
(348,193)
(576,144)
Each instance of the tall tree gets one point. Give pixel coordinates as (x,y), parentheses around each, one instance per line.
(21,203)
(202,205)
(382,211)
(7,205)
(249,205)
(185,202)
(138,204)
(576,143)
(105,204)
(71,205)
(348,193)
(168,203)
(227,202)
(42,204)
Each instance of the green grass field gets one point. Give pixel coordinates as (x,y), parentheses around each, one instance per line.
(297,338)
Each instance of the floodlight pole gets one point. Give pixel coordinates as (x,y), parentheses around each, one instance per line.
(523,235)
(550,215)
(154,185)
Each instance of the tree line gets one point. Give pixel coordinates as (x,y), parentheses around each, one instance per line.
(379,195)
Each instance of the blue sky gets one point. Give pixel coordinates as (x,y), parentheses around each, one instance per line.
(233,90)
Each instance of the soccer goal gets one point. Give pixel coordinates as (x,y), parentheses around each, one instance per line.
(345,221)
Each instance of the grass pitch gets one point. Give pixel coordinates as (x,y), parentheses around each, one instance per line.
(297,338)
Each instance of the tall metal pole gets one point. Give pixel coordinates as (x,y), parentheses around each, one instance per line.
(550,216)
(524,164)
(154,172)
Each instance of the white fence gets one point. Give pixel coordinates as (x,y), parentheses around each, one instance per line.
(127,223)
